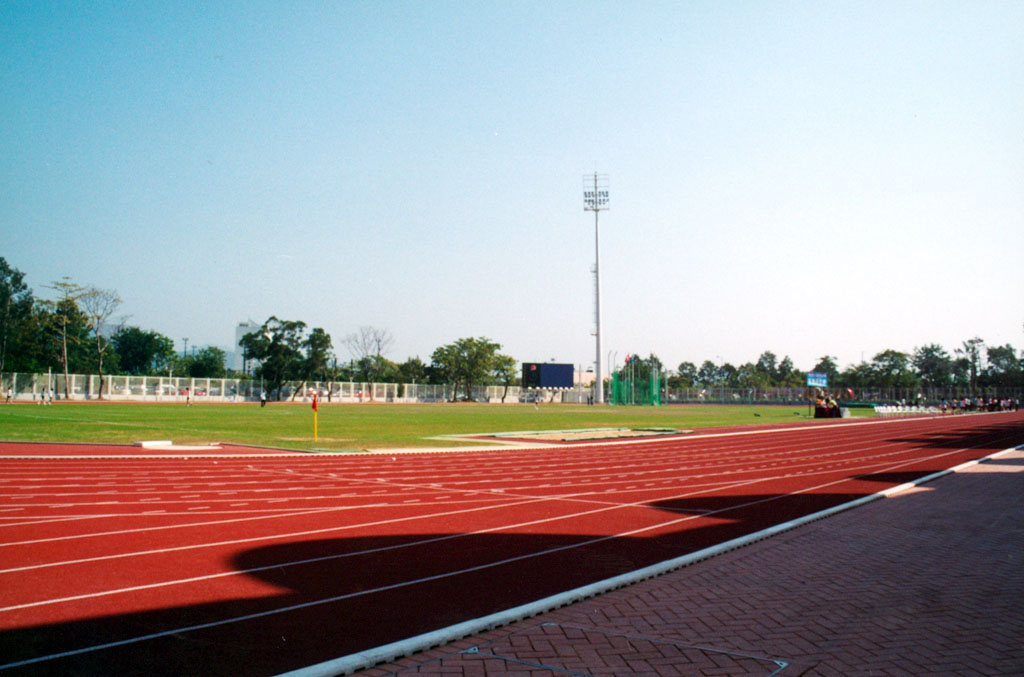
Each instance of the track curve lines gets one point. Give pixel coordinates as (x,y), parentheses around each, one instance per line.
(255,564)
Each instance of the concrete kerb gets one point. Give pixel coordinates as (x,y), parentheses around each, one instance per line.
(390,652)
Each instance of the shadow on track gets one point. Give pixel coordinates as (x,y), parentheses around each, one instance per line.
(991,437)
(370,600)
(347,595)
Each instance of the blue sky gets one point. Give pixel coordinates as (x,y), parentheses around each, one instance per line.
(808,178)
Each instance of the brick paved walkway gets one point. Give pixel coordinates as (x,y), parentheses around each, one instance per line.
(928,582)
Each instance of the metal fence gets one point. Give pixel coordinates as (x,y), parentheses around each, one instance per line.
(869,395)
(30,387)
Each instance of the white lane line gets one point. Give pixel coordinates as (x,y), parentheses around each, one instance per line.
(294,534)
(505,527)
(446,537)
(337,598)
(254,515)
(576,496)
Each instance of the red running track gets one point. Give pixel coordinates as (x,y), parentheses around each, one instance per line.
(235,564)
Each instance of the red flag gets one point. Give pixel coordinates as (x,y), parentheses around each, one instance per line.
(314,401)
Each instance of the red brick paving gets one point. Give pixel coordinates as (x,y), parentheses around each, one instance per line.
(927,582)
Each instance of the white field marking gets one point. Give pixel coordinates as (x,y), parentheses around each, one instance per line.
(337,598)
(446,537)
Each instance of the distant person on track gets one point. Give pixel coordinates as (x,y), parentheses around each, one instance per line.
(9,394)
(263,398)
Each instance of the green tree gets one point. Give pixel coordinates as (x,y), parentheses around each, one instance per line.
(858,376)
(206,362)
(707,375)
(790,376)
(971,350)
(827,365)
(1004,369)
(318,349)
(767,364)
(277,344)
(891,369)
(749,375)
(33,343)
(728,375)
(142,352)
(385,370)
(933,365)
(15,308)
(961,372)
(505,371)
(70,325)
(466,362)
(640,368)
(413,370)
(686,375)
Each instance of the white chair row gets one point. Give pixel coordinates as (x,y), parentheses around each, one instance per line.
(900,410)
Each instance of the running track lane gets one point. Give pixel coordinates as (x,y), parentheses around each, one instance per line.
(257,565)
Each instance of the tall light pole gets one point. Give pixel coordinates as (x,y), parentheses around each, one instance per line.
(595,199)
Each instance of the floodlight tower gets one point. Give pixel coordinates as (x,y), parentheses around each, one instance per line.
(595,199)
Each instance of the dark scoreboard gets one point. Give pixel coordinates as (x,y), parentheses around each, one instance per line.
(547,375)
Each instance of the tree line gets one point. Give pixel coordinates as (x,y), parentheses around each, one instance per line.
(970,366)
(79,332)
(284,351)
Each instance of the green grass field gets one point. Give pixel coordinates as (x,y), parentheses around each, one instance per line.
(349,427)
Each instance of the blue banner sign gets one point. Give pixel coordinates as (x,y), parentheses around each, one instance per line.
(817,379)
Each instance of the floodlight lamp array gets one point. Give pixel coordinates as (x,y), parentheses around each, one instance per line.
(595,192)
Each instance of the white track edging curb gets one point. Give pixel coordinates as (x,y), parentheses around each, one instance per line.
(406,647)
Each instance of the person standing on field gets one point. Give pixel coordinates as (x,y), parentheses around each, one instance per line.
(263,398)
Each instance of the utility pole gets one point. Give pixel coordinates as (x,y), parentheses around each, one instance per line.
(595,199)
